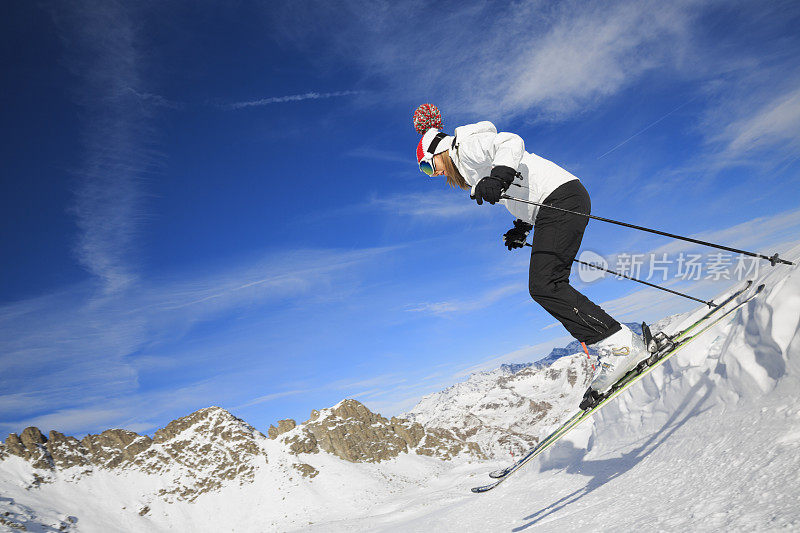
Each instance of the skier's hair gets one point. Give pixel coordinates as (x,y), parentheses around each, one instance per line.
(454,177)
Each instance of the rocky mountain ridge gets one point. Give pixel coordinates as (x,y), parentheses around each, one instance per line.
(352,432)
(197,453)
(203,451)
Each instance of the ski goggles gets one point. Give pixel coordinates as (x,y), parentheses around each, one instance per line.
(427,167)
(425,158)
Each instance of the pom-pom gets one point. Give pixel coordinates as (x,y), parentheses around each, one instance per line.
(427,116)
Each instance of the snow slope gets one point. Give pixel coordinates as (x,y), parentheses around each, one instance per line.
(278,498)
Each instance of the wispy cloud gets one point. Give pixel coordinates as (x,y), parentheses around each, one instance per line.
(154,99)
(105,53)
(565,59)
(521,355)
(270,397)
(583,52)
(99,412)
(365,152)
(380,380)
(290,98)
(68,351)
(428,206)
(555,59)
(766,235)
(463,306)
(773,123)
(268,278)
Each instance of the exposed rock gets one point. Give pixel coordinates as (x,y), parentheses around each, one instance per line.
(306,470)
(15,516)
(283,426)
(32,436)
(201,451)
(553,374)
(445,444)
(38,481)
(11,524)
(66,451)
(30,445)
(14,445)
(352,432)
(411,432)
(144,510)
(572,376)
(115,447)
(302,442)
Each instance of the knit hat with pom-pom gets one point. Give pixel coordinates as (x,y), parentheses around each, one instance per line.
(427,116)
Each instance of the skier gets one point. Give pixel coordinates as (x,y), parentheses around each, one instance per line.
(479,159)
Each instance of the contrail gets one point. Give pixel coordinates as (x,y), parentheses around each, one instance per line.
(647,128)
(290,98)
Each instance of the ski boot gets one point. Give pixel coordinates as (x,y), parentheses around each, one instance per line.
(619,354)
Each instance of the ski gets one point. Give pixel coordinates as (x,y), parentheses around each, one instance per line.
(657,338)
(677,342)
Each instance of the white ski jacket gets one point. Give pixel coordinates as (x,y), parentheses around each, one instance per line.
(477,148)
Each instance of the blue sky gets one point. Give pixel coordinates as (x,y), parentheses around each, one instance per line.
(218,203)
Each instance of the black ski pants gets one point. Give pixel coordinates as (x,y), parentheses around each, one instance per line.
(556,239)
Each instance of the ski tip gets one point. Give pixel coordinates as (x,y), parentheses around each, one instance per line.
(484,488)
(760,288)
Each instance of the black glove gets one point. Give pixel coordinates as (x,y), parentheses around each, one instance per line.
(493,186)
(515,237)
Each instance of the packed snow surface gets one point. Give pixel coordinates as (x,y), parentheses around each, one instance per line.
(708,441)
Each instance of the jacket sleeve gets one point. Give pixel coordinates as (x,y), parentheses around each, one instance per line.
(507,149)
(482,146)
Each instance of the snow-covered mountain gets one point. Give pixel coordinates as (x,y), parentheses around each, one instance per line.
(507,410)
(708,441)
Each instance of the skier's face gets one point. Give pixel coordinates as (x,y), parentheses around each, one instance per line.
(438,164)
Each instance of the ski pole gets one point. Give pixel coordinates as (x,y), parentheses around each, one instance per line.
(709,303)
(773,260)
